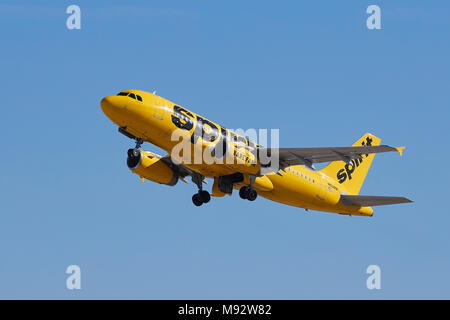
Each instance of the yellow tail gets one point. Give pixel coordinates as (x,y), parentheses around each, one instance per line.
(351,176)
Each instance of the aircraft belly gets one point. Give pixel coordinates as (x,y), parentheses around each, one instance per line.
(289,190)
(211,170)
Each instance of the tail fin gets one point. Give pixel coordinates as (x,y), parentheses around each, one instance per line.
(351,176)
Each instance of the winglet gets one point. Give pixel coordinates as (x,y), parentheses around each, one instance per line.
(400,150)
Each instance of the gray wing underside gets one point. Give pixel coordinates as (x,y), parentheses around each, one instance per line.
(309,156)
(183,171)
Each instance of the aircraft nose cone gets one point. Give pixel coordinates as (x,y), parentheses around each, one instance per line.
(111,107)
(106,105)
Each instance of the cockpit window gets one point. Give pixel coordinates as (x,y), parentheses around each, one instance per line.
(131,95)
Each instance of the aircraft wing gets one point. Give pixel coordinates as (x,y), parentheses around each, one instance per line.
(183,171)
(364,201)
(309,156)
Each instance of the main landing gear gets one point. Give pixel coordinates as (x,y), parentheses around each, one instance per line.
(202,196)
(247,192)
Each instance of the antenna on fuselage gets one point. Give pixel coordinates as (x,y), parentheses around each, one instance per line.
(154,91)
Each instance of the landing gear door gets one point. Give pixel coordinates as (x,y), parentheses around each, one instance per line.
(160,106)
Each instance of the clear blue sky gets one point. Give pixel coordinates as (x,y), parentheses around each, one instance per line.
(310,68)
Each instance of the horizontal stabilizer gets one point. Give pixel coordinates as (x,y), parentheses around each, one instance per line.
(370,201)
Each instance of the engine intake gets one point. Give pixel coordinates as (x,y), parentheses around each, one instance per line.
(134,158)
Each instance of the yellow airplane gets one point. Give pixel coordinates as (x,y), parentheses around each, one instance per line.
(235,162)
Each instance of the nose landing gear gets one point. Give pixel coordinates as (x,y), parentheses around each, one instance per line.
(139,143)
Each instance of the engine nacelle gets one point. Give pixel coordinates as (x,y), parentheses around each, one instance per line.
(149,166)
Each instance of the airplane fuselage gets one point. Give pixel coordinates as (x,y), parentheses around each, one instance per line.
(155,120)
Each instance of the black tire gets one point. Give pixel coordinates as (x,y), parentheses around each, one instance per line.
(204,196)
(243,192)
(252,194)
(196,200)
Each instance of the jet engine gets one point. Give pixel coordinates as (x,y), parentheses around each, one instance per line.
(149,165)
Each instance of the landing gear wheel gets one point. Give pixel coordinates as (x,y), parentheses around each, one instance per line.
(252,194)
(248,193)
(196,200)
(204,196)
(243,192)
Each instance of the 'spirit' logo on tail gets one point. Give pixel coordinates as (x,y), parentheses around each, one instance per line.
(348,169)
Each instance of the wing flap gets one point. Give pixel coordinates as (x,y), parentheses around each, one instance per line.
(370,201)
